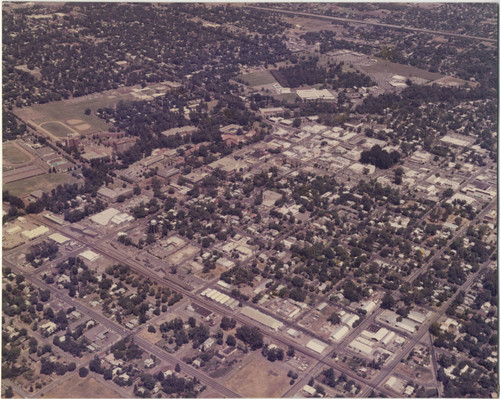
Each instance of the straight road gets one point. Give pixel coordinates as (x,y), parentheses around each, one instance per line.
(213,306)
(355,21)
(110,325)
(423,329)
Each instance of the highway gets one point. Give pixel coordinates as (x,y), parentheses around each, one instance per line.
(355,21)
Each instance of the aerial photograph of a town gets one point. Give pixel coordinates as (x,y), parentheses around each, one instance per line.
(257,200)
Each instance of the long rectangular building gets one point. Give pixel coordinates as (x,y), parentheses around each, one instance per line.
(262,318)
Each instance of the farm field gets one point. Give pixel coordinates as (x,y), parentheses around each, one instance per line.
(259,378)
(13,155)
(45,182)
(77,387)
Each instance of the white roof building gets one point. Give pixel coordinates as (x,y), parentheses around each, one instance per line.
(388,338)
(293,333)
(361,347)
(58,238)
(262,318)
(309,390)
(89,255)
(368,306)
(314,94)
(35,233)
(417,316)
(349,319)
(316,345)
(380,334)
(339,333)
(105,216)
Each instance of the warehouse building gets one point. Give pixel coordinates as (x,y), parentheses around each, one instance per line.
(316,345)
(262,318)
(339,333)
(58,238)
(35,233)
(89,255)
(361,345)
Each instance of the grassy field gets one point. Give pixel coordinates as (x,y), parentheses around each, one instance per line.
(288,97)
(259,379)
(56,128)
(42,182)
(258,78)
(382,66)
(14,155)
(74,109)
(77,387)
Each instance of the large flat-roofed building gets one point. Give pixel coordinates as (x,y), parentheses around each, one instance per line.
(105,216)
(228,165)
(89,255)
(181,130)
(167,173)
(339,333)
(35,233)
(271,111)
(58,238)
(262,318)
(316,345)
(112,195)
(314,94)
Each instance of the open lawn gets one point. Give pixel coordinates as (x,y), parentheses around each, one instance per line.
(288,97)
(77,387)
(382,66)
(259,378)
(151,337)
(73,110)
(14,155)
(45,182)
(258,78)
(56,128)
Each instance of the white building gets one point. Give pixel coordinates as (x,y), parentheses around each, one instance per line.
(316,345)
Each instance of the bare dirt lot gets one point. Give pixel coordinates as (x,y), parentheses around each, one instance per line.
(259,378)
(182,254)
(77,387)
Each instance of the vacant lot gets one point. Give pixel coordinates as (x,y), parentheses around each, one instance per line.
(14,155)
(183,254)
(259,378)
(56,128)
(45,182)
(77,387)
(258,78)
